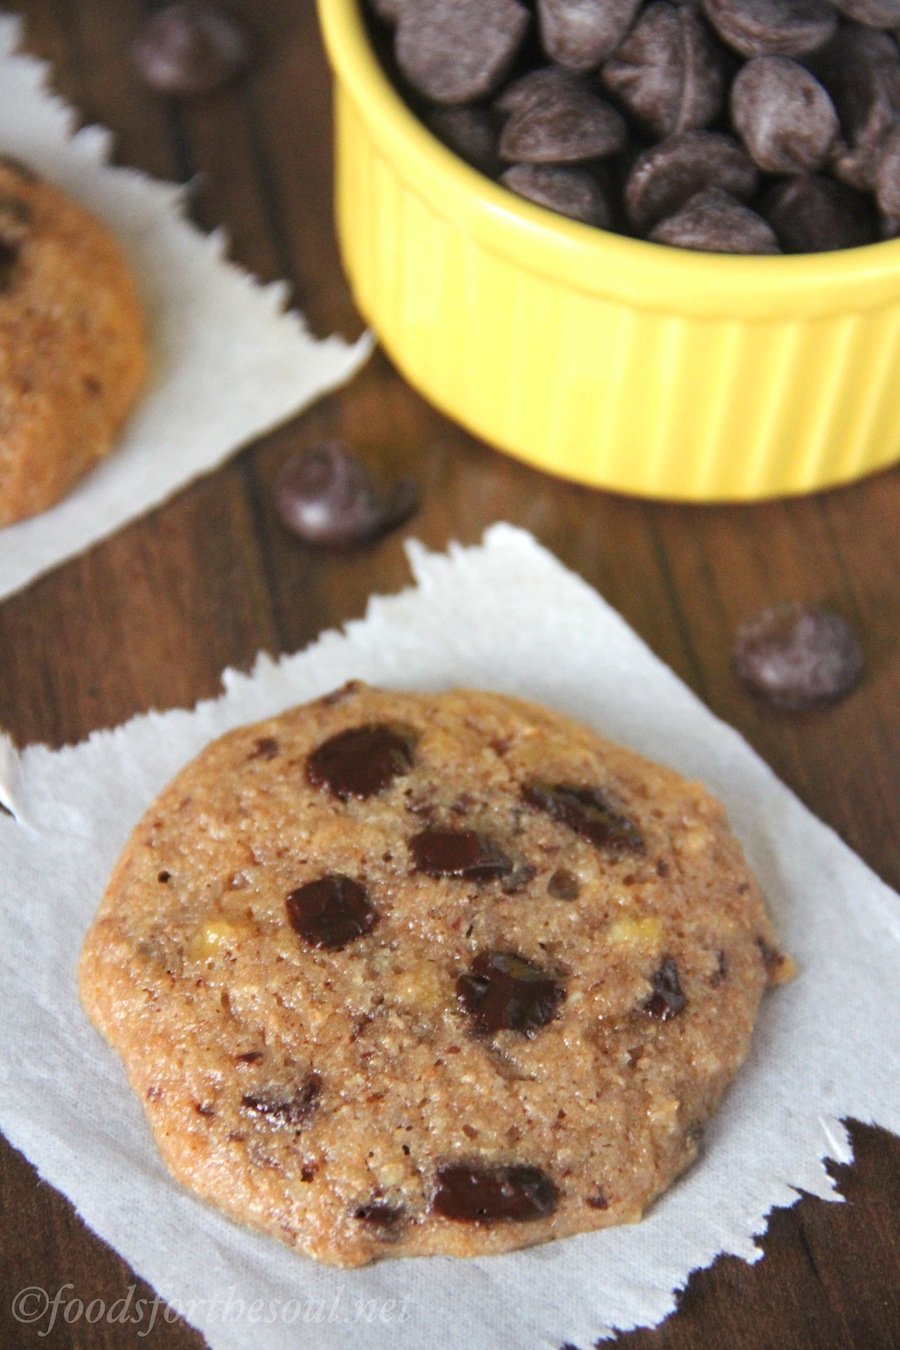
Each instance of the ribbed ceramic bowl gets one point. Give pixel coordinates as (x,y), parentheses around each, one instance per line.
(619,363)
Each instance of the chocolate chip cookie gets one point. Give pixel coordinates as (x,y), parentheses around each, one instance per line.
(397,974)
(72,351)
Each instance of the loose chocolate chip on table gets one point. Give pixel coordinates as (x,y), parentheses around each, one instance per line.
(783,115)
(486,1193)
(362,760)
(571,192)
(666,999)
(567,126)
(326,496)
(331,912)
(797,656)
(772,27)
(669,72)
(458,51)
(504,992)
(189,48)
(580,33)
(586,811)
(812,214)
(295,1110)
(458,853)
(715,222)
(667,175)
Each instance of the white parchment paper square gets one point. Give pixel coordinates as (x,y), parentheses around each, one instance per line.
(506,616)
(227,363)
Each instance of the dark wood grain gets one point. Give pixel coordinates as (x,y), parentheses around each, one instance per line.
(151,617)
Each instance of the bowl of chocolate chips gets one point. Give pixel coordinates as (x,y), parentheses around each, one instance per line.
(652,247)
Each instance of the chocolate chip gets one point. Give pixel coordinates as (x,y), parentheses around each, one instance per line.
(9,256)
(163,877)
(598,1201)
(189,48)
(331,912)
(266,747)
(567,126)
(504,992)
(812,214)
(570,192)
(669,72)
(667,175)
(328,498)
(458,51)
(362,760)
(530,89)
(563,885)
(586,811)
(666,999)
(772,27)
(383,1218)
(861,71)
(783,115)
(887,175)
(472,133)
(458,853)
(580,33)
(797,656)
(486,1193)
(294,1111)
(873,13)
(249,1057)
(715,222)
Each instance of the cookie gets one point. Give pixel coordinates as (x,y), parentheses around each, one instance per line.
(72,350)
(396,974)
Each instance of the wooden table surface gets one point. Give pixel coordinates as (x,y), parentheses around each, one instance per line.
(152,616)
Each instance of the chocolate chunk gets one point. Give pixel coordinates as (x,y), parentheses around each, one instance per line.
(563,885)
(669,72)
(486,1193)
(504,992)
(797,656)
(362,760)
(567,126)
(458,51)
(666,999)
(571,192)
(331,912)
(295,1111)
(586,811)
(772,27)
(812,214)
(580,33)
(715,222)
(458,853)
(472,133)
(783,115)
(327,497)
(667,175)
(189,48)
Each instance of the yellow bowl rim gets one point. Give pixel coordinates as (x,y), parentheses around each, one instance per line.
(590,260)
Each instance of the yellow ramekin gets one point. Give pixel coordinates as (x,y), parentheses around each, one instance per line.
(618,363)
